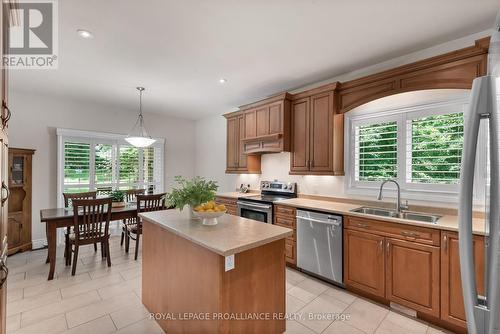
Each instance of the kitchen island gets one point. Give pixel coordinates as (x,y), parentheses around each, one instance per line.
(226,278)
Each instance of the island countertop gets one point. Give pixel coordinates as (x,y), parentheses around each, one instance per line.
(230,236)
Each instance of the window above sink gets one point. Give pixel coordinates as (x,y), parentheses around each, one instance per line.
(419,146)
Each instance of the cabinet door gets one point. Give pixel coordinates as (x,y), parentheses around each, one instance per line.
(322,133)
(250,124)
(232,149)
(364,262)
(299,159)
(15,225)
(242,157)
(452,304)
(262,120)
(276,118)
(413,275)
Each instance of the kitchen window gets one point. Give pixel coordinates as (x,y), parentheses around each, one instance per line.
(91,161)
(419,146)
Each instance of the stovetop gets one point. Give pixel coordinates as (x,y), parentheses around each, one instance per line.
(264,198)
(273,191)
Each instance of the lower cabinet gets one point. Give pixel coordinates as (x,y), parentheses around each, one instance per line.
(412,275)
(285,216)
(452,305)
(230,203)
(364,262)
(410,266)
(396,269)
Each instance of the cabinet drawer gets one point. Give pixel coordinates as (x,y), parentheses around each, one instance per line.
(284,210)
(290,251)
(285,221)
(419,234)
(226,201)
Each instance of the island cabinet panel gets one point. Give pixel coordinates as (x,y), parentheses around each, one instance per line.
(413,273)
(237,161)
(285,216)
(180,276)
(364,262)
(452,305)
(230,203)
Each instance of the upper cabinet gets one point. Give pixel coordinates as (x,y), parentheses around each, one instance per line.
(267,125)
(236,160)
(317,134)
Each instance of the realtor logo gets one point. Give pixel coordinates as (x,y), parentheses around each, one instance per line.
(31,41)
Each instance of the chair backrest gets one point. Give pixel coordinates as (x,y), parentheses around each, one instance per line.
(154,202)
(91,218)
(70,197)
(131,194)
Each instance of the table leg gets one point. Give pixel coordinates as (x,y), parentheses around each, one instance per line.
(51,241)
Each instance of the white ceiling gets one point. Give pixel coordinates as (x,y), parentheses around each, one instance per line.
(178,49)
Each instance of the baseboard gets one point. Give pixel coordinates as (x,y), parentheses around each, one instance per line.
(39,244)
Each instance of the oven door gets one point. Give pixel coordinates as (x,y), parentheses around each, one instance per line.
(256,211)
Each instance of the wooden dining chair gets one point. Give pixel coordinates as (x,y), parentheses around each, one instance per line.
(145,203)
(130,196)
(68,199)
(91,226)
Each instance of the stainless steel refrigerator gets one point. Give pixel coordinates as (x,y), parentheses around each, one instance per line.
(482,312)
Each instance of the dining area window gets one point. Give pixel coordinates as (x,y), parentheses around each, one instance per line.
(90,161)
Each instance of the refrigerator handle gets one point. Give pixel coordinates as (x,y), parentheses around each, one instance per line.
(493,255)
(480,105)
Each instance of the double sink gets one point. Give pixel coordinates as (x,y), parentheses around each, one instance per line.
(409,215)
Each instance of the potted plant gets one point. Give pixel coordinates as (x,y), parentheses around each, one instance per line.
(191,192)
(118,198)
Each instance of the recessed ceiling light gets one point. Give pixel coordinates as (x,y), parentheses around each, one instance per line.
(84,33)
(222,80)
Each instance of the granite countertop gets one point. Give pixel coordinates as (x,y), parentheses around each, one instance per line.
(232,235)
(446,222)
(236,194)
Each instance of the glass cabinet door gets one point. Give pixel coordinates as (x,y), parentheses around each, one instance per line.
(17,171)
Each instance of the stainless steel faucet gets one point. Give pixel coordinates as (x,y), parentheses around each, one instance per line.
(399,206)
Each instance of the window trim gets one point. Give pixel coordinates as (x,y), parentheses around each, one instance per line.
(93,138)
(412,191)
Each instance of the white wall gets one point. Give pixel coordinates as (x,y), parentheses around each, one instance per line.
(34,122)
(212,131)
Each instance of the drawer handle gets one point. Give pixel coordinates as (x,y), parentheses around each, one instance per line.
(362,225)
(410,234)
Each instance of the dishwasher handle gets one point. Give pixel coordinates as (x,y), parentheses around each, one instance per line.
(331,221)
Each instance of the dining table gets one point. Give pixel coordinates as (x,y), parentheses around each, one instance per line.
(64,217)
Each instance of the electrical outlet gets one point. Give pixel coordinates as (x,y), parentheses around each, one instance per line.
(229,265)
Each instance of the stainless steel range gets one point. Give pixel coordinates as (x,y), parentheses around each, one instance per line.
(260,207)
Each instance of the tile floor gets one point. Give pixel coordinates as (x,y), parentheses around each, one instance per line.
(107,300)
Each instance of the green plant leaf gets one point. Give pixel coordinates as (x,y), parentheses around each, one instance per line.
(191,192)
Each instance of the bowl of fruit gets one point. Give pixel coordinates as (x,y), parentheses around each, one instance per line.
(209,212)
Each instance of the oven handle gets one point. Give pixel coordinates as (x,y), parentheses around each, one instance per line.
(254,205)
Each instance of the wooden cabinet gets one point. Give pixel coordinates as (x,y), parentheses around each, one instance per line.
(267,125)
(236,160)
(285,216)
(364,262)
(20,185)
(315,146)
(5,114)
(387,260)
(452,305)
(412,275)
(230,203)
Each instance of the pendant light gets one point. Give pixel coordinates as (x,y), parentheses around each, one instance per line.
(139,137)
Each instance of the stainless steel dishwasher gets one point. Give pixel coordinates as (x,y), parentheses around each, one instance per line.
(319,245)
